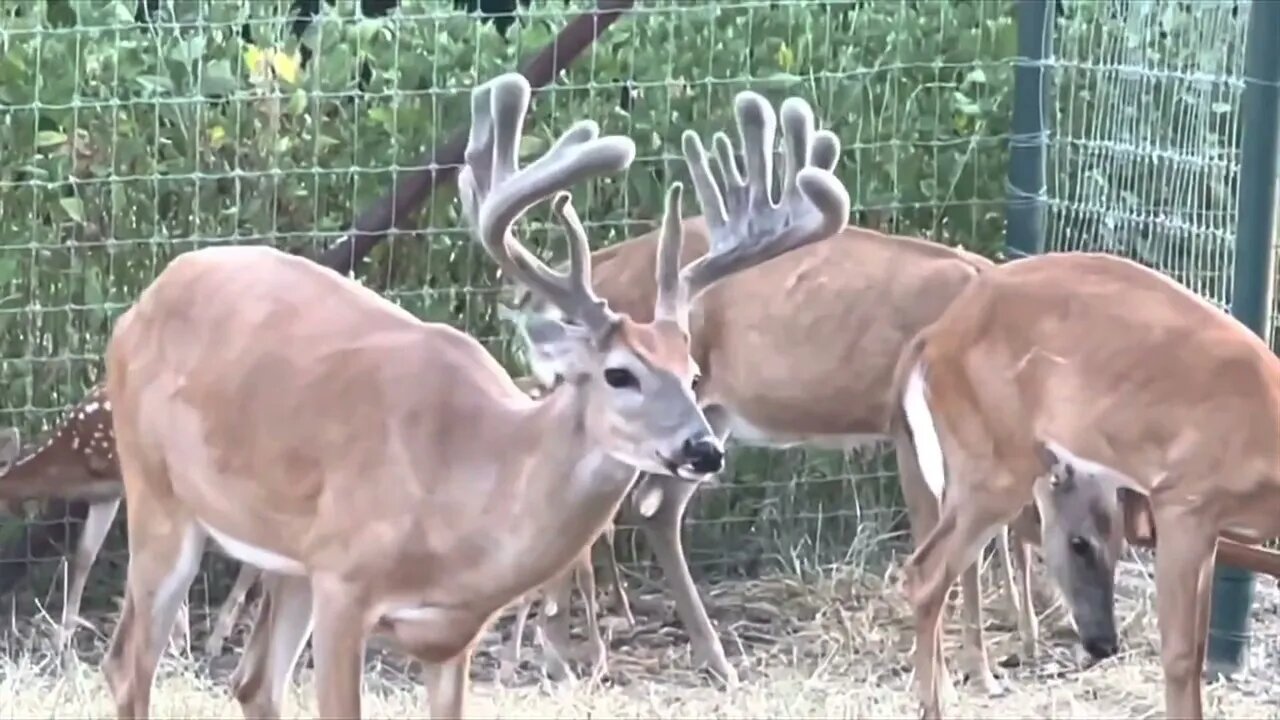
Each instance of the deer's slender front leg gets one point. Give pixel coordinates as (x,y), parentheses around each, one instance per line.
(553,626)
(230,609)
(662,531)
(1017,545)
(1184,579)
(623,601)
(597,652)
(280,630)
(510,663)
(446,684)
(338,647)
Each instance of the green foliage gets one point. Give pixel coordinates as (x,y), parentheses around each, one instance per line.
(132,144)
(1146,159)
(126,144)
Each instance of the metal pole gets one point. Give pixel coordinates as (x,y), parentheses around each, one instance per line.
(1251,299)
(1027,203)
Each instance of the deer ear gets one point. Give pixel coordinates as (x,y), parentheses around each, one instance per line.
(558,348)
(10,446)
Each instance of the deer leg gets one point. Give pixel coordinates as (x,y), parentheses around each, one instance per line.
(446,684)
(337,646)
(553,626)
(511,661)
(280,629)
(96,525)
(1184,579)
(662,531)
(976,661)
(615,575)
(922,509)
(230,610)
(1017,543)
(586,577)
(163,560)
(922,516)
(180,634)
(969,518)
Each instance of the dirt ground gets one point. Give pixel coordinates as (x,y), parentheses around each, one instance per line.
(833,645)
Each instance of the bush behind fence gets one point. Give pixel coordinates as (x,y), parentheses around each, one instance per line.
(128,143)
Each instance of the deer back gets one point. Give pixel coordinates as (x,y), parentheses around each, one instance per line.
(291,404)
(805,344)
(76,460)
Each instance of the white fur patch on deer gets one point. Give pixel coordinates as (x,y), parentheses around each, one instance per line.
(928,446)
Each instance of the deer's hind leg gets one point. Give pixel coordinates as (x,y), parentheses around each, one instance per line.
(92,535)
(280,630)
(971,515)
(165,547)
(923,512)
(164,555)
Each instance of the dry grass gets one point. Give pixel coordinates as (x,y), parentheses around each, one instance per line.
(834,645)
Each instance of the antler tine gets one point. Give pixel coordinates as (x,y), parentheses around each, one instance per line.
(495,192)
(671,299)
(814,204)
(825,152)
(575,283)
(757,128)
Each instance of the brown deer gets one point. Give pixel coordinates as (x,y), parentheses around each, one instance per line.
(424,491)
(1072,367)
(75,461)
(813,365)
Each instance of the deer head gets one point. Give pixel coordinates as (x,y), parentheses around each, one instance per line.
(636,379)
(1082,535)
(746,227)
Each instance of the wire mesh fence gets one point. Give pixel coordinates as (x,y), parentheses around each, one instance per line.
(139,130)
(1144,157)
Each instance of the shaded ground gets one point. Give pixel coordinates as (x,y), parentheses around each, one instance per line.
(834,645)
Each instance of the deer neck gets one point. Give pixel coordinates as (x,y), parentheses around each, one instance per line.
(566,497)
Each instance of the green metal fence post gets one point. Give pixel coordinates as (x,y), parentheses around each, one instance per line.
(1251,298)
(1027,204)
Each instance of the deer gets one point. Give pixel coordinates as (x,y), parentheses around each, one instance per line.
(1065,367)
(425,491)
(75,461)
(813,365)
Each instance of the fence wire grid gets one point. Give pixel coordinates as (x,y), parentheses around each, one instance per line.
(137,131)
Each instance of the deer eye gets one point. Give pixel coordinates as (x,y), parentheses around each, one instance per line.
(621,378)
(697,380)
(1079,545)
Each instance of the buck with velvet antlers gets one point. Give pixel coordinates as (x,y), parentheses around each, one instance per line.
(1085,366)
(425,491)
(77,461)
(801,350)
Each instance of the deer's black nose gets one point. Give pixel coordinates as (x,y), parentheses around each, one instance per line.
(1101,648)
(703,454)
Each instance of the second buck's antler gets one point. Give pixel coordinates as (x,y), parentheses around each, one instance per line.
(422,491)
